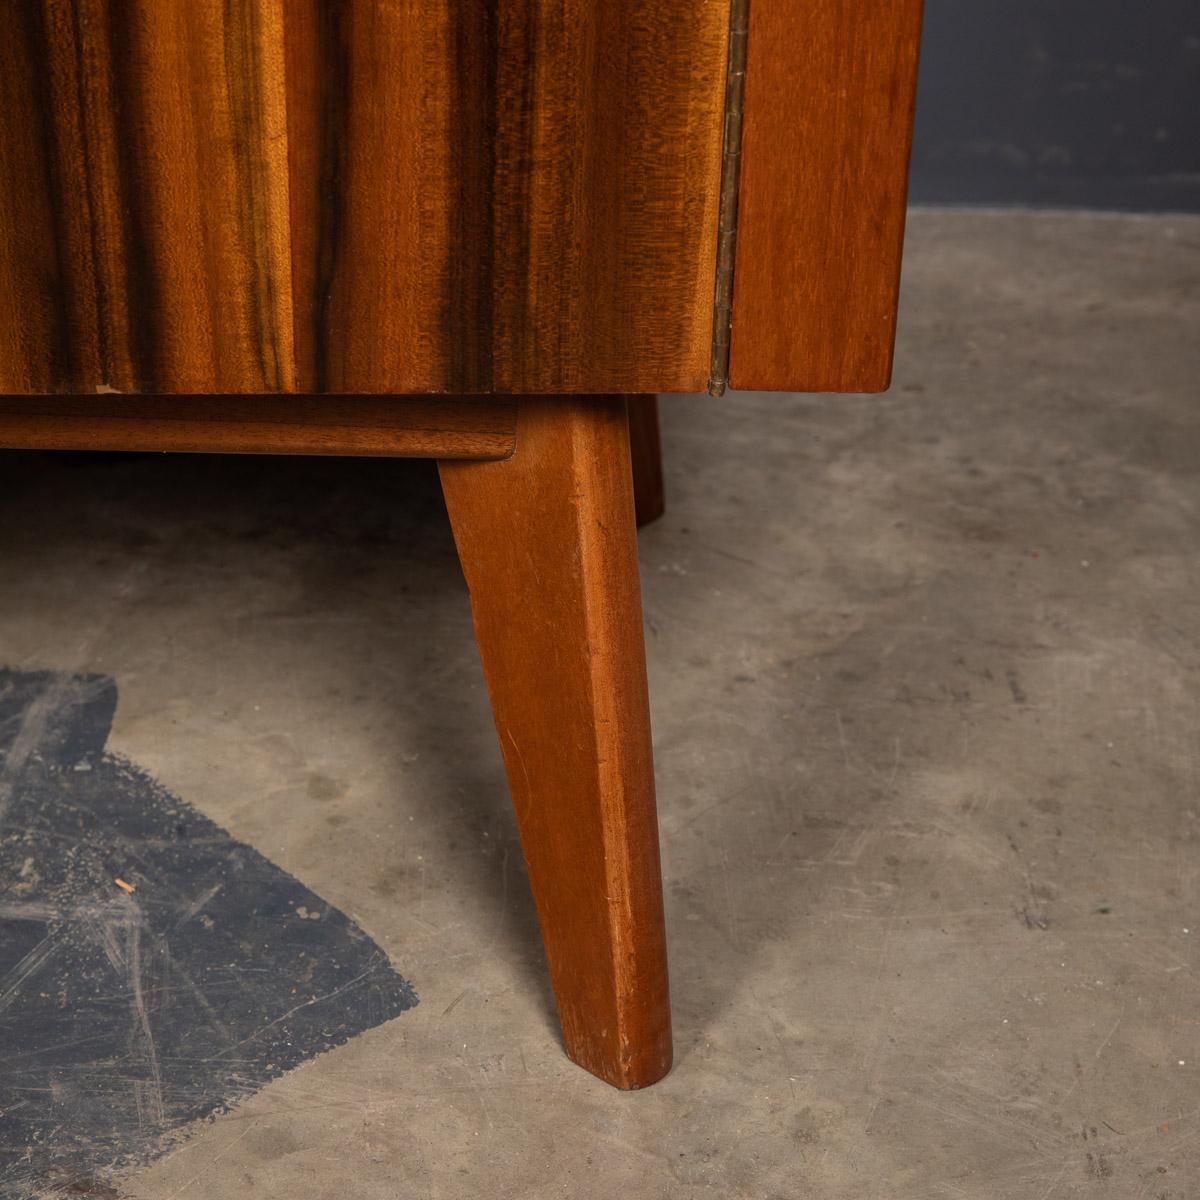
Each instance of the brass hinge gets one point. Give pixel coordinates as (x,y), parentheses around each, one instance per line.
(731,162)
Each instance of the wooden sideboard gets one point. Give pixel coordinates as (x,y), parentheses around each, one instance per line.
(470,231)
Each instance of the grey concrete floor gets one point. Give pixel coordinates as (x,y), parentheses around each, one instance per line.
(926,697)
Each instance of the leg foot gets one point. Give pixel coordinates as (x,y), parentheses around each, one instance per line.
(548,546)
(646,448)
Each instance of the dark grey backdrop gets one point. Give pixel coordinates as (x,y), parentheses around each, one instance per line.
(1094,103)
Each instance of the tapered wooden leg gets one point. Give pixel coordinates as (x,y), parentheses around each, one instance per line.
(646,449)
(548,547)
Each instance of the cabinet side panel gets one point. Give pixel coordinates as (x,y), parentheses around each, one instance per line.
(829,94)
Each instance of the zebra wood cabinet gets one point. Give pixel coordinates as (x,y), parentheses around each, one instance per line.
(469,231)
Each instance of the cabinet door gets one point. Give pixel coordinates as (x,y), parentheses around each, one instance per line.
(359,195)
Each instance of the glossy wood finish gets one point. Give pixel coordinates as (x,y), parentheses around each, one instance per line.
(361,197)
(418,427)
(143,197)
(645,449)
(525,193)
(548,547)
(829,94)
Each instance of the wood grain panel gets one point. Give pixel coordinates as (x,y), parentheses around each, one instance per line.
(361,197)
(829,96)
(373,179)
(505,197)
(143,199)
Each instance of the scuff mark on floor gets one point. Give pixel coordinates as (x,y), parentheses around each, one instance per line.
(153,970)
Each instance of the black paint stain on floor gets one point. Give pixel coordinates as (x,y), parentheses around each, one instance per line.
(125,1015)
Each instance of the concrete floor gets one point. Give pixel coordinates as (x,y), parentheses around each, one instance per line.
(926,696)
